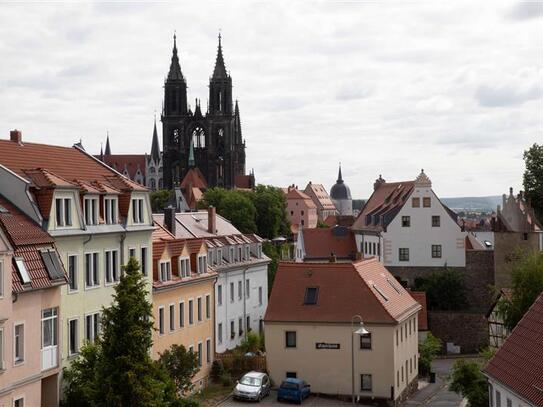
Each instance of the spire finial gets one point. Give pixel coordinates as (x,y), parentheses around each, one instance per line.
(339,176)
(175,69)
(192,162)
(175,40)
(220,69)
(108,148)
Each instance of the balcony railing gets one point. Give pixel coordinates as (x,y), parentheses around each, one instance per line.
(49,357)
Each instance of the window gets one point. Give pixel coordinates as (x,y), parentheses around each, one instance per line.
(200,354)
(110,210)
(290,339)
(91,270)
(259,295)
(144,260)
(365,341)
(21,268)
(498,399)
(49,328)
(202,264)
(397,339)
(219,295)
(366,247)
(19,343)
(2,364)
(231,292)
(231,254)
(248,324)
(415,202)
(240,290)
(402,374)
(172,317)
(73,337)
(112,266)
(291,375)
(219,256)
(161,320)
(92,326)
(208,306)
(72,273)
(199,308)
(436,221)
(184,267)
(247,289)
(191,312)
(365,382)
(404,254)
(165,271)
(132,252)
(219,333)
(137,210)
(1,284)
(240,326)
(436,251)
(63,211)
(181,314)
(20,402)
(311,295)
(208,351)
(232,330)
(509,403)
(91,211)
(426,202)
(406,221)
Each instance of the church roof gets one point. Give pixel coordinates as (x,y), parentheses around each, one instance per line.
(220,70)
(155,147)
(340,190)
(129,161)
(175,69)
(108,148)
(194,179)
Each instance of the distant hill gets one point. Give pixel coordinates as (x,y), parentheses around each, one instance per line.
(475,203)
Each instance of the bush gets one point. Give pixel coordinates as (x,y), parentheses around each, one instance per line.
(428,350)
(469,381)
(181,364)
(217,370)
(252,343)
(445,290)
(226,379)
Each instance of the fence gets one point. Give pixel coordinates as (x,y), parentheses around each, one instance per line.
(239,364)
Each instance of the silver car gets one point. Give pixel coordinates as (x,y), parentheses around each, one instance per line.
(252,386)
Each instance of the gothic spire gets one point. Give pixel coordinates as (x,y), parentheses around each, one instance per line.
(192,162)
(220,70)
(108,148)
(175,69)
(237,122)
(339,177)
(155,147)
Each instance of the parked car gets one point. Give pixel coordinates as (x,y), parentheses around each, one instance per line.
(252,386)
(293,389)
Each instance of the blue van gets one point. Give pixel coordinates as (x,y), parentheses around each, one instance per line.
(293,389)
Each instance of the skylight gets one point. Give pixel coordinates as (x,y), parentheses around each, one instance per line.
(52,264)
(23,273)
(394,286)
(311,295)
(381,293)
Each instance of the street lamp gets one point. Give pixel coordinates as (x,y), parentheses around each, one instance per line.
(360,331)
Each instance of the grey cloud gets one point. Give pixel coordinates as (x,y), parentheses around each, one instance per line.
(526,10)
(353,92)
(505,95)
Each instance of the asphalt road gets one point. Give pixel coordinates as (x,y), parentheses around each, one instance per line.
(271,400)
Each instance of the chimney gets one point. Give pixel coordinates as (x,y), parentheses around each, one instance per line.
(169,219)
(16,136)
(333,257)
(211,220)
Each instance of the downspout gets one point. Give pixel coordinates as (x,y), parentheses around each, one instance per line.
(121,241)
(245,302)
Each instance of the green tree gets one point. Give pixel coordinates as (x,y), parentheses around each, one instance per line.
(468,380)
(428,350)
(240,210)
(533,178)
(321,224)
(118,367)
(274,253)
(271,217)
(182,365)
(252,343)
(159,200)
(526,285)
(445,290)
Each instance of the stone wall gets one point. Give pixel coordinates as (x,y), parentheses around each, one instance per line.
(467,330)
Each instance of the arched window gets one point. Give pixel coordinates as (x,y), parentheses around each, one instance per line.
(220,101)
(199,137)
(160,183)
(153,184)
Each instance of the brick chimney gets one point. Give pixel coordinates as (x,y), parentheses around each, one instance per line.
(16,136)
(211,220)
(169,219)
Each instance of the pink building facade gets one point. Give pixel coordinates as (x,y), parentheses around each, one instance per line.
(31,275)
(301,210)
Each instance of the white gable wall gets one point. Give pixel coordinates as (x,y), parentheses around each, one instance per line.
(421,235)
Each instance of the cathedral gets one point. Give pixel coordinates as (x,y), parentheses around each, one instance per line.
(215,137)
(209,143)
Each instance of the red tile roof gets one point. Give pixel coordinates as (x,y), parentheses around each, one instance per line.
(420,297)
(364,287)
(131,161)
(27,239)
(518,364)
(243,181)
(194,179)
(320,243)
(321,195)
(340,220)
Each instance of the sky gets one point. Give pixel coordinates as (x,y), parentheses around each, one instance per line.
(384,87)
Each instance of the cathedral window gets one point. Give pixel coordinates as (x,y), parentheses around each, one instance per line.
(199,137)
(220,101)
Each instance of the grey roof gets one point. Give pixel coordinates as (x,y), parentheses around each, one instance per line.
(220,69)
(194,224)
(155,148)
(175,69)
(340,190)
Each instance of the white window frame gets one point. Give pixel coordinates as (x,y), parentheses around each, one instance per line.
(133,250)
(111,210)
(240,289)
(184,266)
(200,356)
(247,288)
(219,256)
(54,318)
(94,333)
(70,320)
(112,273)
(208,306)
(65,215)
(181,314)
(165,270)
(202,263)
(232,292)
(260,295)
(90,205)
(137,210)
(143,264)
(95,281)
(161,322)
(191,311)
(23,272)
(76,272)
(247,252)
(219,332)
(219,295)
(18,398)
(199,310)
(171,317)
(18,361)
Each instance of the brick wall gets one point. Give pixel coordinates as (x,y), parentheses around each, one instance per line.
(467,330)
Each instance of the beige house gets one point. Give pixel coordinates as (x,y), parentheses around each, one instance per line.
(183,299)
(313,313)
(321,199)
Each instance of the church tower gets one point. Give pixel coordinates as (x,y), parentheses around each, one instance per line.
(218,148)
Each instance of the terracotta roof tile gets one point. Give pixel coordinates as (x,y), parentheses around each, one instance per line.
(340,220)
(194,179)
(243,181)
(344,289)
(131,161)
(420,297)
(518,364)
(320,243)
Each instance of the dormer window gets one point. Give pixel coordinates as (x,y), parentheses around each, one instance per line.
(247,252)
(231,254)
(63,211)
(311,295)
(165,271)
(21,268)
(137,210)
(240,253)
(202,264)
(110,210)
(184,267)
(219,256)
(91,211)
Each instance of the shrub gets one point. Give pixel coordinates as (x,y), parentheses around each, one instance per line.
(428,350)
(217,370)
(226,379)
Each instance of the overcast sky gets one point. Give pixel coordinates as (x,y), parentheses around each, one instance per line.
(385,87)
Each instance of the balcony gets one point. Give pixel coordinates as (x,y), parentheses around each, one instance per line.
(49,357)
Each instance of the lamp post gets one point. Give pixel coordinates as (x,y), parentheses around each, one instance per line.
(360,331)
